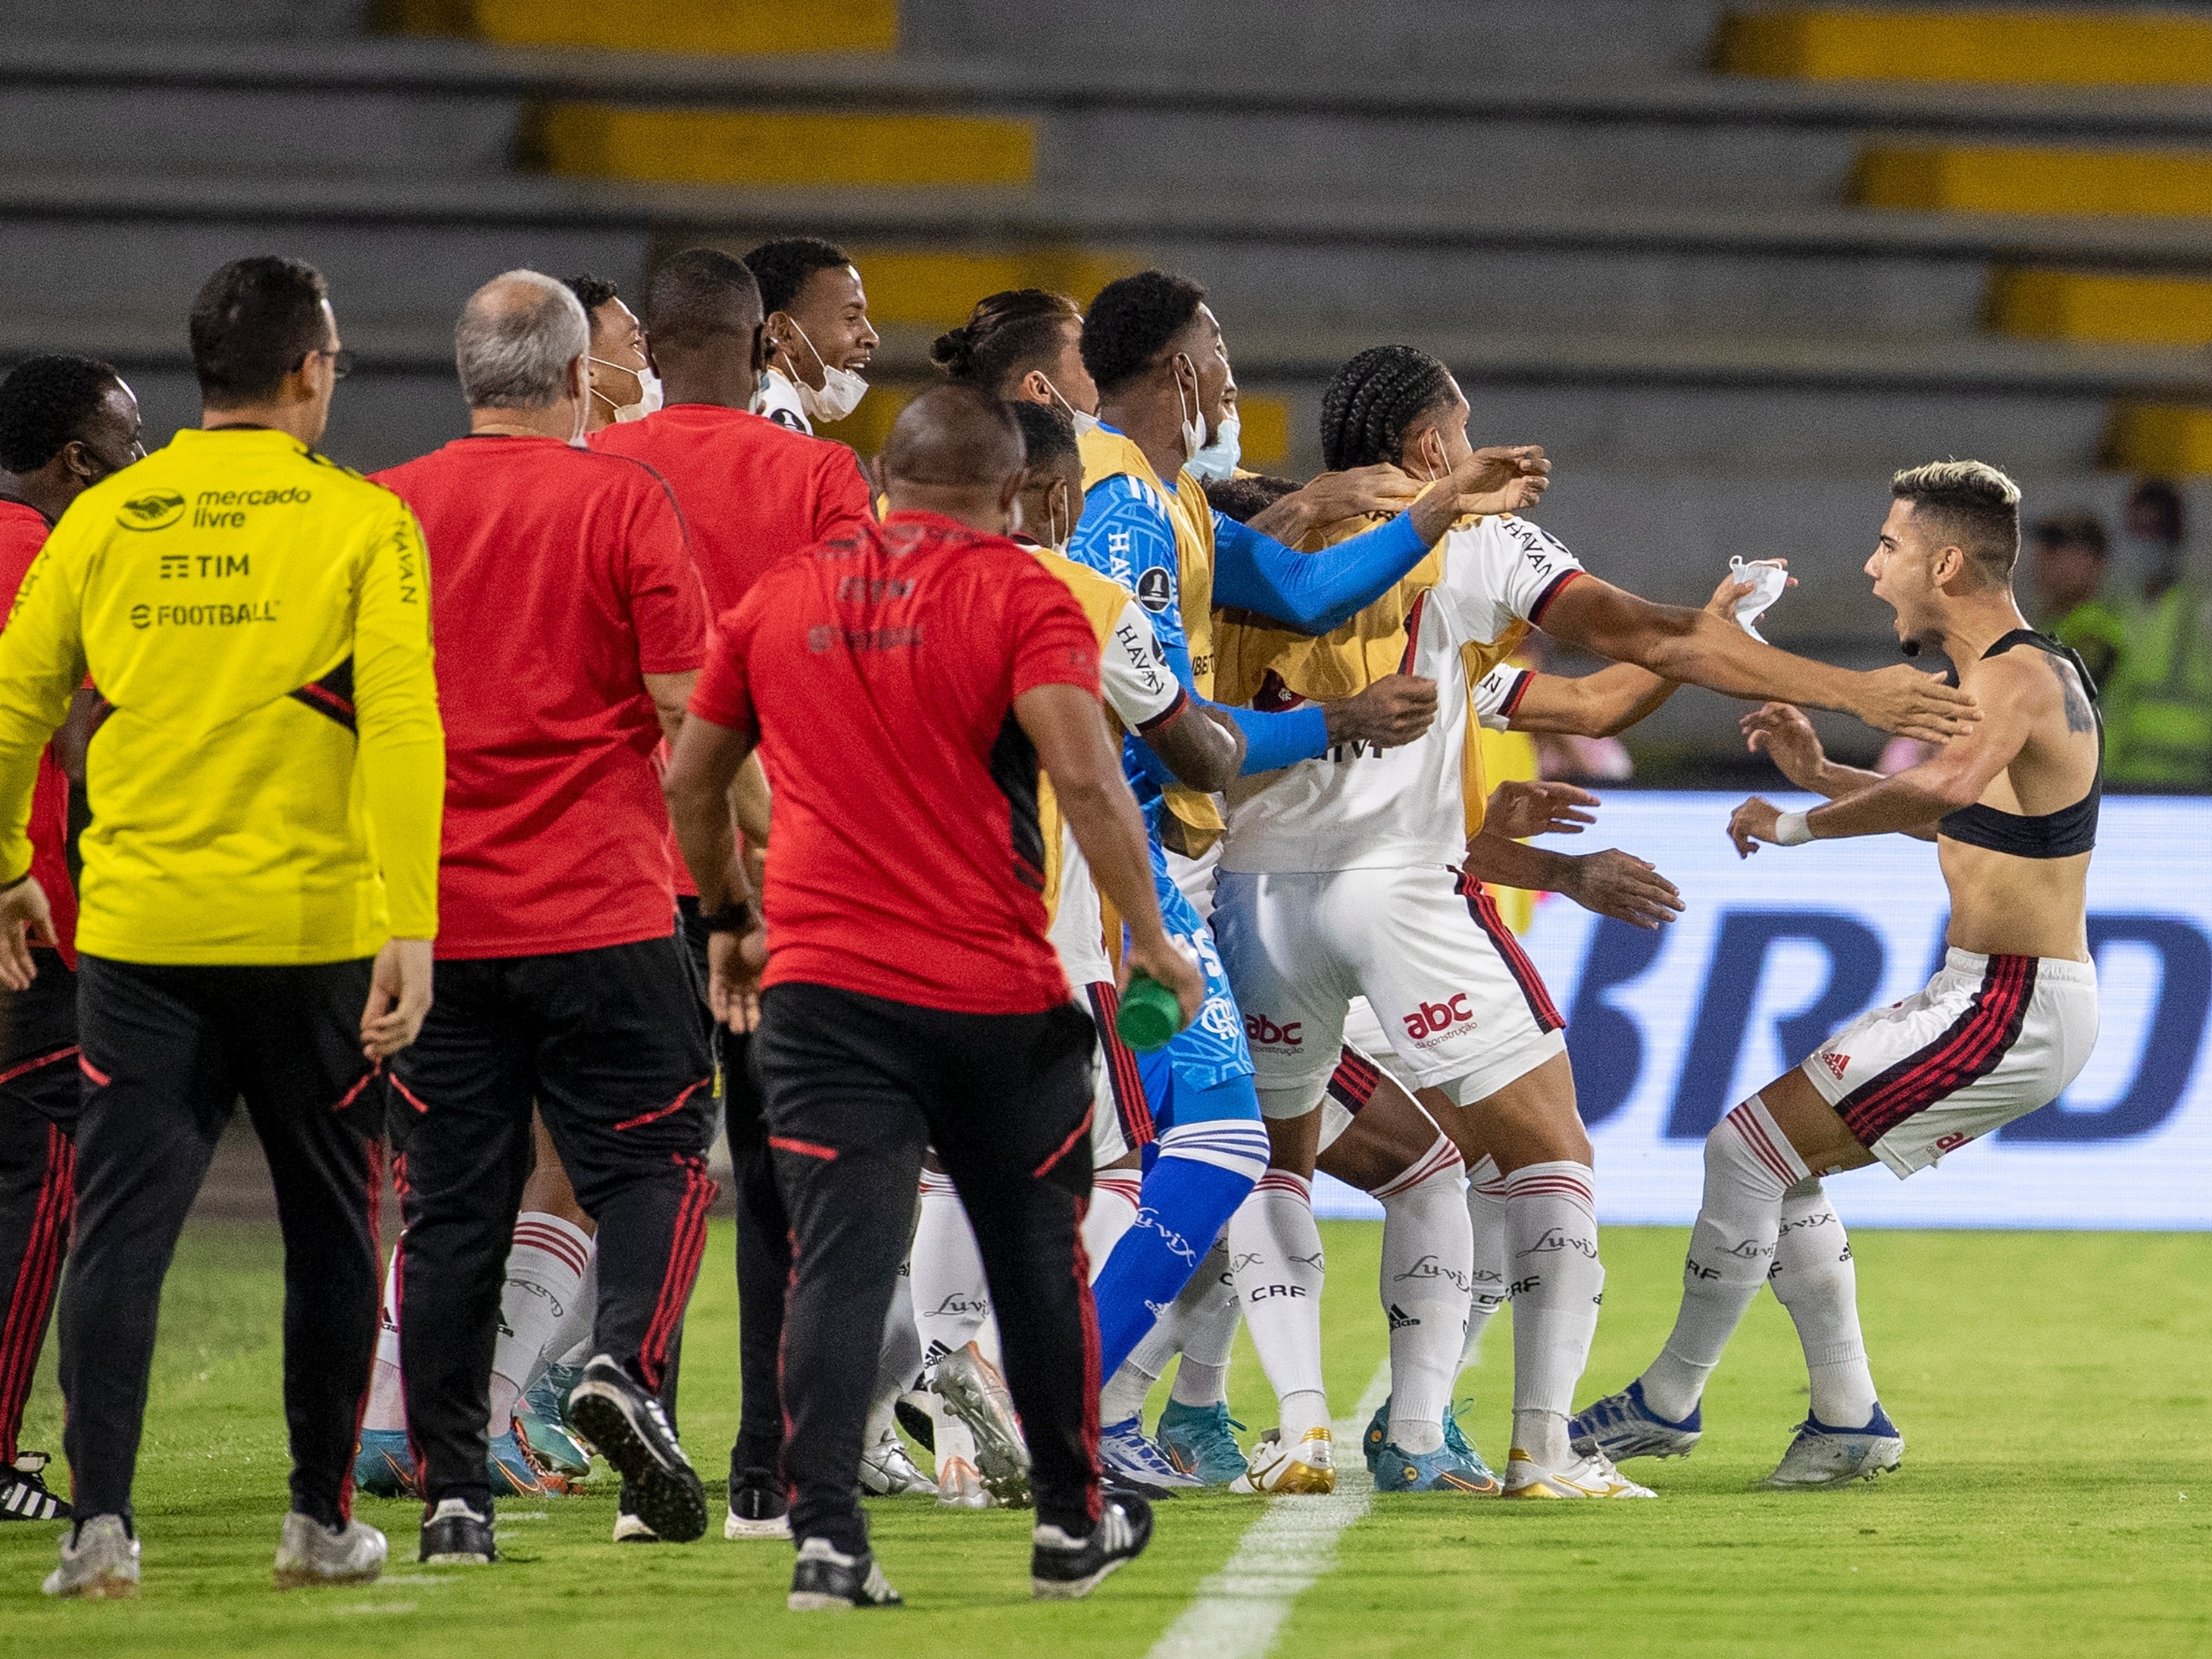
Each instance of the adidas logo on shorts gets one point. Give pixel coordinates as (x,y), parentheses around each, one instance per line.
(1838,1064)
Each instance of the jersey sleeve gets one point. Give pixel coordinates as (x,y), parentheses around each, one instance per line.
(1124,533)
(1050,637)
(723,694)
(1133,674)
(402,750)
(667,607)
(1498,694)
(41,663)
(843,501)
(1312,592)
(1500,571)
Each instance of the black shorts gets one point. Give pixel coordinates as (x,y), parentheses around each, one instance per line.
(37,1043)
(608,1037)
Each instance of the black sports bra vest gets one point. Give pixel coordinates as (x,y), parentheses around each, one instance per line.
(2058,834)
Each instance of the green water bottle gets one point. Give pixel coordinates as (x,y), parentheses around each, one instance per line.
(1150,1015)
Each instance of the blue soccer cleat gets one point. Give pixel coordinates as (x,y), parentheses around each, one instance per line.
(510,1470)
(1125,1451)
(1377,1435)
(1621,1427)
(383,1466)
(1824,1456)
(538,1421)
(1455,1440)
(1442,1470)
(1197,1441)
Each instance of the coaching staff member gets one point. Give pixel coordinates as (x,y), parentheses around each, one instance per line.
(903,683)
(753,492)
(572,626)
(260,881)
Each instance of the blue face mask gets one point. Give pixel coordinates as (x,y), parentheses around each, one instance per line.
(1217,462)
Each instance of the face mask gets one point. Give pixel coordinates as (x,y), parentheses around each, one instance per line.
(1083,422)
(1056,536)
(1193,418)
(1217,462)
(841,391)
(649,393)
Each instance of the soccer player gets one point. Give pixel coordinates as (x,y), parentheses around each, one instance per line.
(819,341)
(907,686)
(65,424)
(260,883)
(2006,1023)
(574,626)
(624,385)
(752,492)
(1344,875)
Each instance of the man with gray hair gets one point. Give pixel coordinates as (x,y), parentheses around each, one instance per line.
(571,625)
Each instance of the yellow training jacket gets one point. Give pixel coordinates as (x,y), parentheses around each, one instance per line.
(268,779)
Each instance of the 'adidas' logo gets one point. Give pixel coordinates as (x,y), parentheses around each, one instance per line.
(1399,1319)
(1837,1063)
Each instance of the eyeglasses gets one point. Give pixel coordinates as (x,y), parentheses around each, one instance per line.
(341,361)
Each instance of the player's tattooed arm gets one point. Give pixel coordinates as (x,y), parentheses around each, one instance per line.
(2080,715)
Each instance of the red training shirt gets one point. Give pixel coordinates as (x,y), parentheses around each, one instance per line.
(559,579)
(879,670)
(23,533)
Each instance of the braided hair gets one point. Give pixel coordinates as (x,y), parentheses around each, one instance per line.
(1374,399)
(1007,336)
(44,402)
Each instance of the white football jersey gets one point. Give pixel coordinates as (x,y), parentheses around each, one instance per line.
(1357,807)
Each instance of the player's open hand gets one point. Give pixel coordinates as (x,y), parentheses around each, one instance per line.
(734,961)
(24,916)
(1903,700)
(1781,732)
(1518,811)
(1170,963)
(1755,822)
(1625,887)
(398,997)
(1724,601)
(1506,478)
(1397,709)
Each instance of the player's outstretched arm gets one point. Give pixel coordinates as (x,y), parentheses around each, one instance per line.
(1336,496)
(1073,747)
(1609,701)
(1699,648)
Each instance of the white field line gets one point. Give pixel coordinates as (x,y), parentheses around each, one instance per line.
(1236,1612)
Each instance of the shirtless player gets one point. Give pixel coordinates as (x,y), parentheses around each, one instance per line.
(2004,1027)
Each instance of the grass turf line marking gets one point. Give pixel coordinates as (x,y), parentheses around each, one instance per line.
(1235,1614)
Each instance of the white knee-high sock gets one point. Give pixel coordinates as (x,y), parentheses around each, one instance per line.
(1816,1279)
(1188,1324)
(387,1389)
(1275,1256)
(898,1360)
(1749,1165)
(1114,1201)
(544,1272)
(951,1298)
(1485,1217)
(1428,1250)
(571,1342)
(1206,1324)
(1550,1224)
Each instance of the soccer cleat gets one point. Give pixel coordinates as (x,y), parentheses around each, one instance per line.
(1590,1476)
(100,1561)
(1455,1440)
(1306,1470)
(972,1390)
(823,1581)
(383,1466)
(1621,1427)
(757,1508)
(1197,1441)
(549,1441)
(1824,1456)
(1064,1568)
(1397,1469)
(959,1486)
(23,1494)
(1377,1434)
(911,1411)
(1125,1453)
(455,1535)
(631,1528)
(510,1471)
(624,1422)
(887,1470)
(310,1553)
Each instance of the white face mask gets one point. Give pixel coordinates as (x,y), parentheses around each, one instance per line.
(840,393)
(649,393)
(1083,422)
(1217,462)
(1193,417)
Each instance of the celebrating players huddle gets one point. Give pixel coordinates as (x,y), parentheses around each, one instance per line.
(643,573)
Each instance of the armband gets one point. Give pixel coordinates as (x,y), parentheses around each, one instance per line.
(738,919)
(1791,829)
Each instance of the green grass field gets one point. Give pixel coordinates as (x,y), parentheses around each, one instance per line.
(2057,1497)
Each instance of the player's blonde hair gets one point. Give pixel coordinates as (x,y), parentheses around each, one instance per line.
(1970,504)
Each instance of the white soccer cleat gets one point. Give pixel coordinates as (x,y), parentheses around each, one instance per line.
(972,1390)
(100,1561)
(959,1486)
(1591,1474)
(887,1471)
(311,1553)
(1307,1469)
(1824,1456)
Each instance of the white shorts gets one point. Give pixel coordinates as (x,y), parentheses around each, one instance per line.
(1120,1116)
(1461,1006)
(1990,1039)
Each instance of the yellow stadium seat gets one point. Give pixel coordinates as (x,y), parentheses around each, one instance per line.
(1264,429)
(2019,47)
(2075,304)
(749,147)
(2169,440)
(1992,178)
(939,289)
(721,27)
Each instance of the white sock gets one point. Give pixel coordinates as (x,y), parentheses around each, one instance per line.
(1485,1216)
(571,1342)
(898,1360)
(1191,1320)
(1114,1206)
(387,1390)
(1206,1316)
(544,1272)
(1816,1279)
(952,1436)
(1275,1256)
(1550,1226)
(950,1297)
(1749,1165)
(1427,1251)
